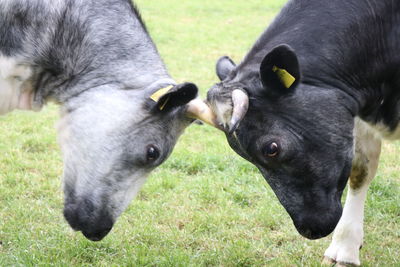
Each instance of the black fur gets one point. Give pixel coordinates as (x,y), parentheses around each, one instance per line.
(348,65)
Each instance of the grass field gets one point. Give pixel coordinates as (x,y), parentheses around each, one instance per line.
(205,206)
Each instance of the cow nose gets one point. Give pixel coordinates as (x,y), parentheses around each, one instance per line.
(317,224)
(97,234)
(94,223)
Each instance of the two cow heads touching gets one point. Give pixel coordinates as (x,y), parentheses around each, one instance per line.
(302,147)
(114,129)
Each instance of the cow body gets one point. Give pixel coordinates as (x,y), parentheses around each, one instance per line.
(323,88)
(95,59)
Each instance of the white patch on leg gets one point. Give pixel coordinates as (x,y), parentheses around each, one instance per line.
(348,236)
(16,90)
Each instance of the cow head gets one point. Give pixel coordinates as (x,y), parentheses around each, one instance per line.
(298,134)
(111,140)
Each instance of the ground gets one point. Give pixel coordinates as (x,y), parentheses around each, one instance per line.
(205,206)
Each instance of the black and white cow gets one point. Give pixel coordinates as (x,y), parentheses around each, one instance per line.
(309,105)
(121,112)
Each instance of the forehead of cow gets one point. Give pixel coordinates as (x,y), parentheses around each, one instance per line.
(123,114)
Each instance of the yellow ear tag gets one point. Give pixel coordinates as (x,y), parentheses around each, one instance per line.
(158,94)
(286,78)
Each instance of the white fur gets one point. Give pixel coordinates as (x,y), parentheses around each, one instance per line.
(223,112)
(348,235)
(131,189)
(386,133)
(15,87)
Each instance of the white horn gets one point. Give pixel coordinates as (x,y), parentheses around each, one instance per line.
(240,101)
(197,109)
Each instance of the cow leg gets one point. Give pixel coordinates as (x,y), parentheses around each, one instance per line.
(348,236)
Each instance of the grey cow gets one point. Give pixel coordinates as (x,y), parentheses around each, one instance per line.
(121,112)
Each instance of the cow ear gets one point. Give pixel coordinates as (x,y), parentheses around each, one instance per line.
(174,96)
(280,71)
(224,66)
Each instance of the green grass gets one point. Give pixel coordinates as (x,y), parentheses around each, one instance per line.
(204,206)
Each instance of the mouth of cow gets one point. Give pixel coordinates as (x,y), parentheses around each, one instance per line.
(93,235)
(96,236)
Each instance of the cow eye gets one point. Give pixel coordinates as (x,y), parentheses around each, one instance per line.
(271,150)
(152,153)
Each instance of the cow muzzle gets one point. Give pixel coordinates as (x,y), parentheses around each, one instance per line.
(314,224)
(93,224)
